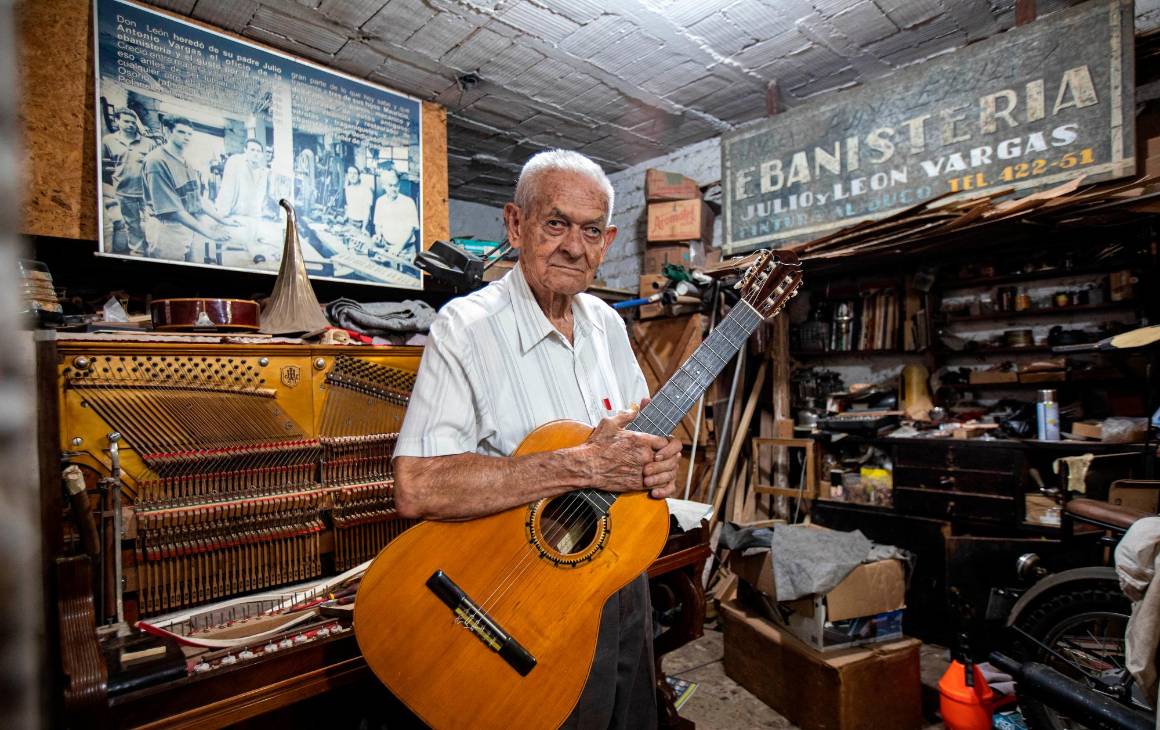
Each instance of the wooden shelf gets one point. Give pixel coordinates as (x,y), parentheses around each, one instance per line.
(985,281)
(1038,386)
(976,351)
(852,353)
(1044,312)
(1100,446)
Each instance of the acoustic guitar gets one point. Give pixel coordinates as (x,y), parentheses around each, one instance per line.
(493,622)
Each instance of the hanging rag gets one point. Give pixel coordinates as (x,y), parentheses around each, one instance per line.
(381,318)
(1077,469)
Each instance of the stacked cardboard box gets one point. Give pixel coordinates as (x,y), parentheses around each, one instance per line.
(864,608)
(680,225)
(677,217)
(833,660)
(870,688)
(680,220)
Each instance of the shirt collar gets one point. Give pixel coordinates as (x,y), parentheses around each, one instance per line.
(533,324)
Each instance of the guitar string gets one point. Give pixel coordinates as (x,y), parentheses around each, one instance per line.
(530,555)
(524,555)
(745,330)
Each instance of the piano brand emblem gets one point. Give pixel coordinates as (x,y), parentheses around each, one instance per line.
(291,375)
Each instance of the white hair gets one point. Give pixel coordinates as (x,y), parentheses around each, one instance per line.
(564,161)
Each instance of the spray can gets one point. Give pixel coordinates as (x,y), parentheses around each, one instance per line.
(1048,416)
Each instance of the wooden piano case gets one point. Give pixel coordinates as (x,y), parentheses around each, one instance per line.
(243,468)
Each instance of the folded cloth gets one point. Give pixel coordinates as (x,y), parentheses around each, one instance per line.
(381,318)
(808,561)
(734,537)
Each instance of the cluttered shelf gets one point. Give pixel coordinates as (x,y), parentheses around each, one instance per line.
(992,350)
(1042,274)
(853,353)
(832,437)
(1041,312)
(1037,385)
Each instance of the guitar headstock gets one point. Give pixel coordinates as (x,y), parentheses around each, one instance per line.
(771,280)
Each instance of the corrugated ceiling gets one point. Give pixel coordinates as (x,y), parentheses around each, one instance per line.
(622,81)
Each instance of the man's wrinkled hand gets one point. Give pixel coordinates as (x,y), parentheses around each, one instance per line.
(619,458)
(661,475)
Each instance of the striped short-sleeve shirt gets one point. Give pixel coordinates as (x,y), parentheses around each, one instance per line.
(495,368)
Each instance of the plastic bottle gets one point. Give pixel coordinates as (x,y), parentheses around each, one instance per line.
(1047,411)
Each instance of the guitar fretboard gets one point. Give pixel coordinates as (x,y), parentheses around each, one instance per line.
(677,396)
(661,416)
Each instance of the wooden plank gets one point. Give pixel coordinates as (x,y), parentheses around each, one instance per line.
(781,375)
(436,218)
(726,476)
(1024,12)
(56,77)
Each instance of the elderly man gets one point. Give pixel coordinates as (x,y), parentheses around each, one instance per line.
(396,218)
(529,349)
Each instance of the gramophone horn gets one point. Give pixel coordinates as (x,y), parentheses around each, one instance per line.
(292,308)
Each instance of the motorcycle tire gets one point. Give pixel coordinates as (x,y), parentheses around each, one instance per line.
(1094,600)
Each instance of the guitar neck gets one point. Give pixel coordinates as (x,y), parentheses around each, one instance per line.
(661,416)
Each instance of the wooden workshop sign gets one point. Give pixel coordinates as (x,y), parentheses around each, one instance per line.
(1025,109)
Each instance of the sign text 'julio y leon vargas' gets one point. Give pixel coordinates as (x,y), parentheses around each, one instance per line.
(1025,109)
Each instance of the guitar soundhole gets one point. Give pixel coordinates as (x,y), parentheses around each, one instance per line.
(568,524)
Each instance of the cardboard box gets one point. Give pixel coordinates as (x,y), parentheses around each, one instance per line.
(865,608)
(1043,376)
(876,688)
(979,377)
(822,632)
(681,220)
(661,185)
(1088,430)
(679,254)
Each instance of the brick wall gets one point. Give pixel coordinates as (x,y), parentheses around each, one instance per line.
(621,267)
(700,161)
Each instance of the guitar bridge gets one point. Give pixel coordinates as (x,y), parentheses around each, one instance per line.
(475,620)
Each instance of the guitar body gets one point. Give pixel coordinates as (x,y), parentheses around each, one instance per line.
(492,623)
(539,573)
(199,313)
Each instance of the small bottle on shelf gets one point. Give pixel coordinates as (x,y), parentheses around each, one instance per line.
(1022,301)
(1047,411)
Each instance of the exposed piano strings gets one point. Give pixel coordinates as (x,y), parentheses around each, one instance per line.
(234,491)
(361,419)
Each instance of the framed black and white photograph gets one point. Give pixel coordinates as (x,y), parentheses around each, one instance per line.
(201,134)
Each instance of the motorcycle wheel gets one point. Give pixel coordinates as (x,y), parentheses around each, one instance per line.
(1086,626)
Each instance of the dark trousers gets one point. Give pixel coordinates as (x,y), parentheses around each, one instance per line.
(621,689)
